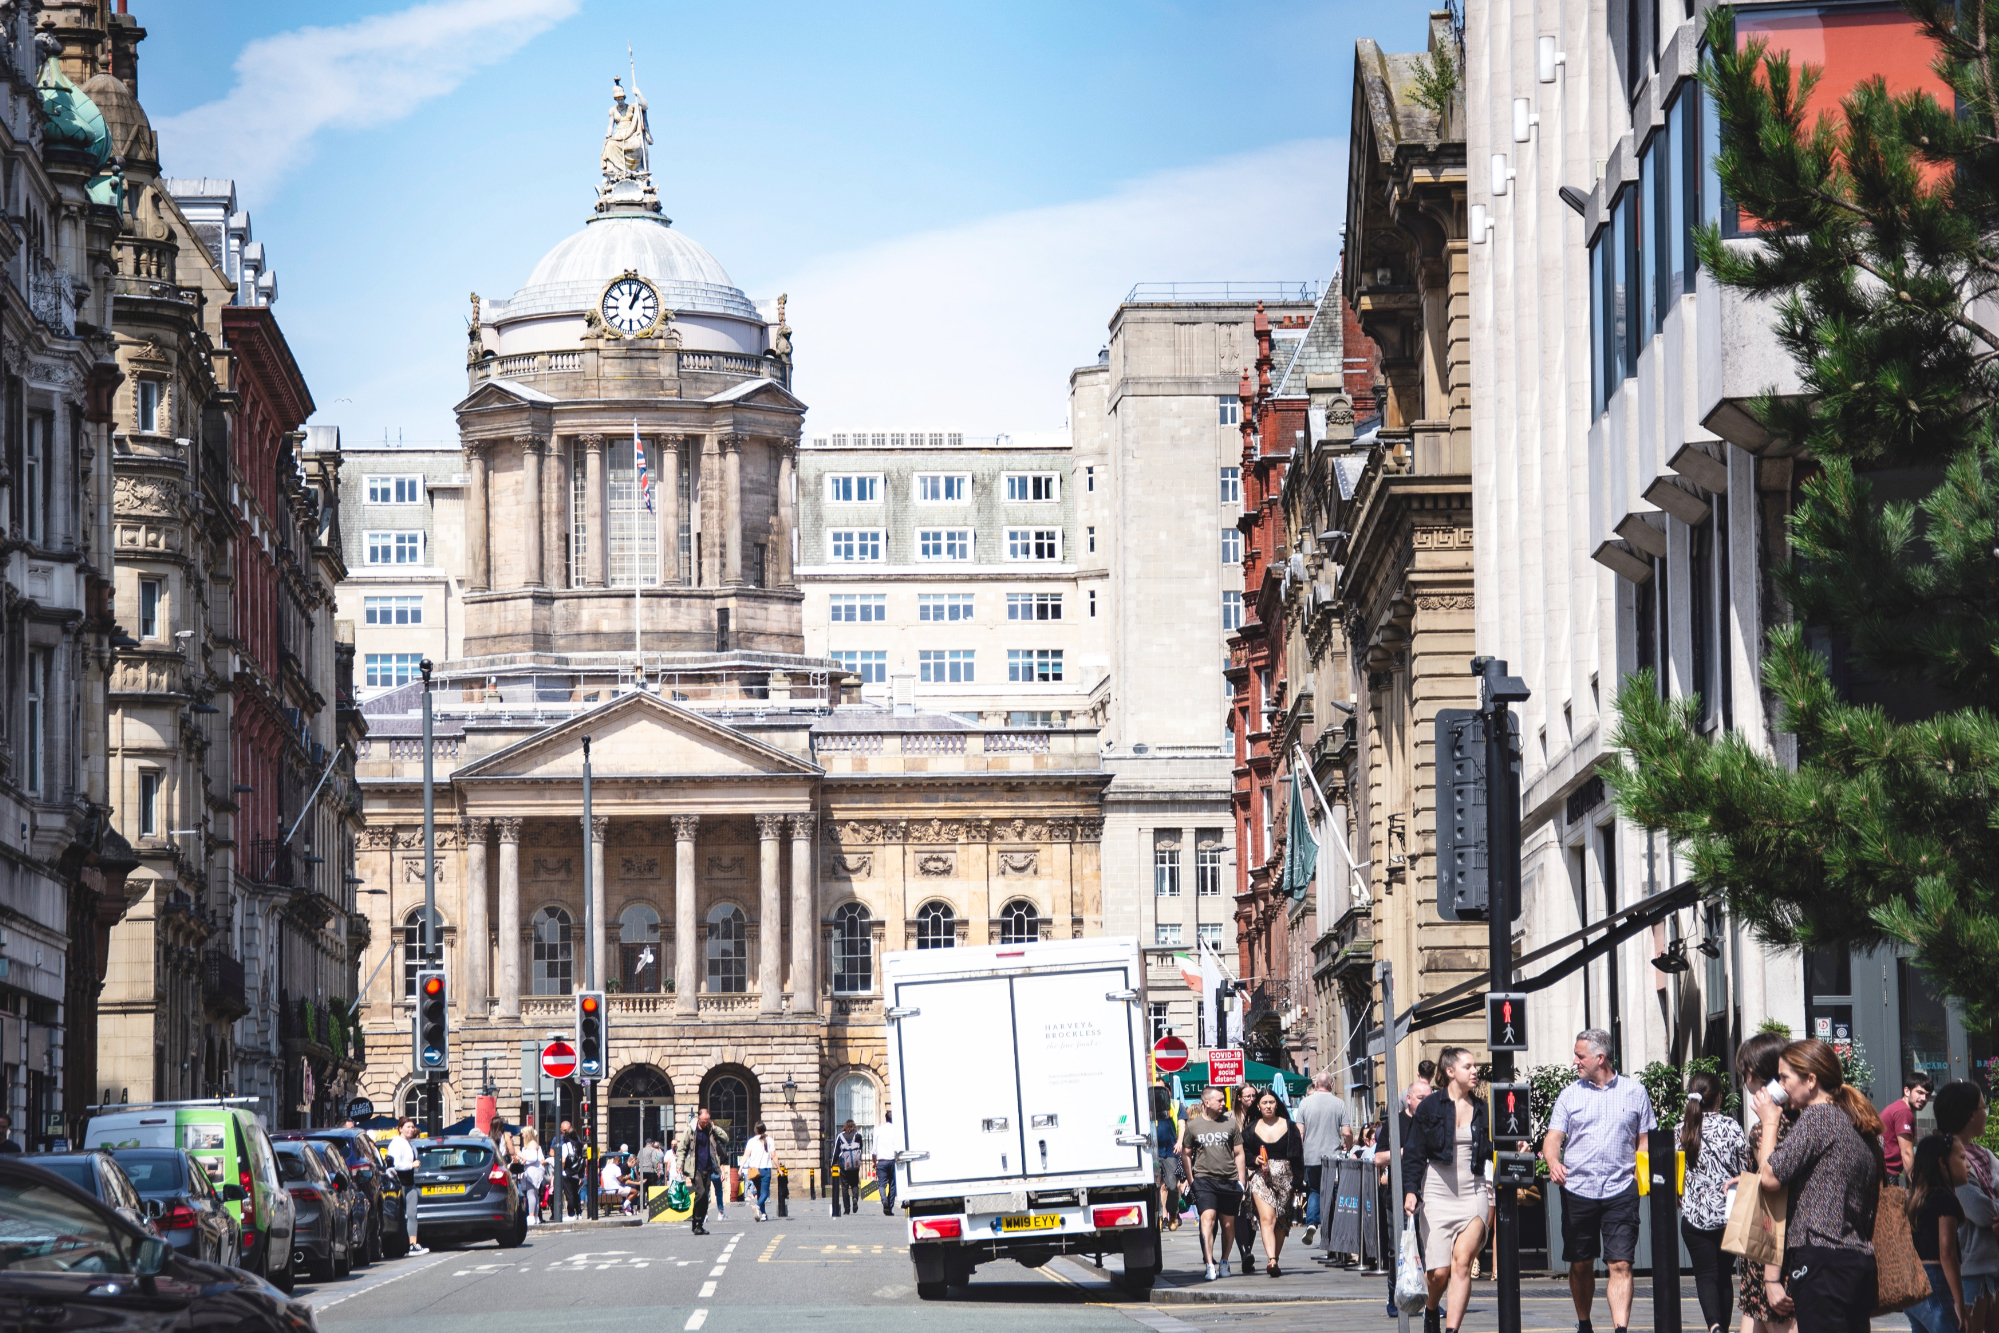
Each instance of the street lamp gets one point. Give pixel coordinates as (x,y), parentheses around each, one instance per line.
(790,1091)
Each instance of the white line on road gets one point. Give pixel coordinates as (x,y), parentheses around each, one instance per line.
(317,1303)
(695,1320)
(707,1290)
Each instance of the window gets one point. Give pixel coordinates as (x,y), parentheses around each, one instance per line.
(1210,934)
(149,608)
(407,490)
(39,661)
(728,951)
(1034,665)
(1165,871)
(1157,1018)
(853,490)
(1231,610)
(1034,606)
(1035,543)
(944,544)
(937,488)
(871,667)
(395,548)
(1208,871)
(1231,485)
(552,970)
(936,926)
(1093,540)
(1019,923)
(1228,409)
(1032,717)
(149,805)
(1166,933)
(1032,487)
(1231,546)
(413,956)
(149,407)
(866,608)
(1089,479)
(1649,308)
(943,606)
(34,482)
(944,666)
(383,670)
(392,610)
(853,950)
(1093,603)
(637,956)
(847,545)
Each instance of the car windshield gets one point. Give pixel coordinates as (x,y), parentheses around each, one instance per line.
(76,1170)
(43,1230)
(154,1173)
(455,1157)
(292,1165)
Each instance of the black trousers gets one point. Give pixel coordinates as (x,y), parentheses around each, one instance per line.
(1714,1274)
(846,1192)
(703,1184)
(1833,1289)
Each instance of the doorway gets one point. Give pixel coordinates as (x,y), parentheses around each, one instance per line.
(640,1109)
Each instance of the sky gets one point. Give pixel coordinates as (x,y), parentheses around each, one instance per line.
(955,197)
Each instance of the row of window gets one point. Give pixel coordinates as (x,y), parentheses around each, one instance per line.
(1208,933)
(382,670)
(1207,872)
(954,666)
(394,548)
(863,488)
(395,490)
(894,439)
(868,608)
(392,610)
(861,545)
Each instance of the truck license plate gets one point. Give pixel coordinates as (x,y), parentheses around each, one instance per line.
(442,1189)
(1031,1222)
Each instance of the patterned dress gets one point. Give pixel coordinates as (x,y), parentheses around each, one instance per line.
(1753,1301)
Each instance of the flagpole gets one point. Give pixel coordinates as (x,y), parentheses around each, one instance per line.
(1326,809)
(638,606)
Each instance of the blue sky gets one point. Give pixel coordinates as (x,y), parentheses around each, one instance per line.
(955,197)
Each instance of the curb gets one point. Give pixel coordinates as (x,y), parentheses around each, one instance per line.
(601,1224)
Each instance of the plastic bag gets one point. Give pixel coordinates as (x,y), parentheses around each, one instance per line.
(678,1197)
(1412,1285)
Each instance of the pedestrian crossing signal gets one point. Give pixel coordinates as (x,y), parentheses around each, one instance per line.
(1512,1114)
(1505,1021)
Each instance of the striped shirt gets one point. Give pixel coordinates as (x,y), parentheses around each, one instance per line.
(1600,1128)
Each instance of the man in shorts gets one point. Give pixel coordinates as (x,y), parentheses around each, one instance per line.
(1211,1146)
(1592,1154)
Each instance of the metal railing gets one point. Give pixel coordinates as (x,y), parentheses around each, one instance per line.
(1220,293)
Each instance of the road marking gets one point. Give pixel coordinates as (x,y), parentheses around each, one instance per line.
(695,1320)
(770,1249)
(707,1290)
(718,1270)
(387,1278)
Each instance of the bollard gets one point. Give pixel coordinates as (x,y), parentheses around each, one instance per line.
(1665,1201)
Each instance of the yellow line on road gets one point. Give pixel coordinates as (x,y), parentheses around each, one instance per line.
(771,1248)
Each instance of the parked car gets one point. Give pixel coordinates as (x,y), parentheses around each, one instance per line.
(62,1244)
(372,1177)
(319,1239)
(99,1175)
(464,1192)
(182,1205)
(234,1150)
(353,1203)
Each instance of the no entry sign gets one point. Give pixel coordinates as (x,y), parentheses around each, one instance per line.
(558,1059)
(1224,1068)
(1169,1054)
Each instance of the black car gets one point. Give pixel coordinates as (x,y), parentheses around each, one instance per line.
(319,1230)
(371,1175)
(100,1176)
(353,1203)
(182,1204)
(466,1193)
(68,1261)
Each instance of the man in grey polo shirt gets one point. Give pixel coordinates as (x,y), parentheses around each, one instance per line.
(1327,1126)
(1592,1154)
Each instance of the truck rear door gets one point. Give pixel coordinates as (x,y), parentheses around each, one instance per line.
(1078,1071)
(962,1108)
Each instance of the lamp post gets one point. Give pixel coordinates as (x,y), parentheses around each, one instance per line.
(433,1095)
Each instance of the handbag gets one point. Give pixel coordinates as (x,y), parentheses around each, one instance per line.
(1412,1285)
(1899,1278)
(750,1173)
(1755,1227)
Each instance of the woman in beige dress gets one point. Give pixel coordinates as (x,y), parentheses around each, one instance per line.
(1443,1169)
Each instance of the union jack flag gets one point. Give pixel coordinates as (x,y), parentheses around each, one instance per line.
(644,477)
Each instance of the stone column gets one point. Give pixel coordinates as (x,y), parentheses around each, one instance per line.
(555,514)
(598,826)
(475,520)
(686,958)
(530,508)
(804,919)
(478,948)
(510,917)
(777,563)
(708,570)
(732,508)
(667,497)
(770,913)
(596,544)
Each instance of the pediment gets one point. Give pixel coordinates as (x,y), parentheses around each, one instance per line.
(638,735)
(502,393)
(759,393)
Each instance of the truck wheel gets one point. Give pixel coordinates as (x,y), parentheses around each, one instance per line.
(1139,1283)
(931,1291)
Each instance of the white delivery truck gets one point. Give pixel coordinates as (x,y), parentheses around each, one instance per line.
(1019,1078)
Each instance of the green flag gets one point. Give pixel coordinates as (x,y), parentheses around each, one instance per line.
(1301,849)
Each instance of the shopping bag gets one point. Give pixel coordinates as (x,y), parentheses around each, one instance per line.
(1755,1227)
(679,1197)
(1412,1285)
(1900,1280)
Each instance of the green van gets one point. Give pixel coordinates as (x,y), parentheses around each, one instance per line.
(226,1138)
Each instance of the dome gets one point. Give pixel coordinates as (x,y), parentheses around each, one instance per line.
(570,277)
(124,119)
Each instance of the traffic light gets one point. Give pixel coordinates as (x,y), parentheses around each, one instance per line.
(1464,881)
(1506,1021)
(1512,1117)
(433,1023)
(590,1035)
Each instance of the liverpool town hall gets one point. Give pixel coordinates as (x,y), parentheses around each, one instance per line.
(615,541)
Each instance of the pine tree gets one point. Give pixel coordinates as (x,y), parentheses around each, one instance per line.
(1876,244)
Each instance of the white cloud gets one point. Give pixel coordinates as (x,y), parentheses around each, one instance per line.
(978,326)
(292,86)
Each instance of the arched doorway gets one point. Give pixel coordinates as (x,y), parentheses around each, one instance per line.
(730,1094)
(640,1108)
(855,1098)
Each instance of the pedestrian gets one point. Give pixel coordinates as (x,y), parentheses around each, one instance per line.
(1961,1113)
(650,1164)
(1166,1144)
(1246,1222)
(569,1164)
(1326,1126)
(1211,1144)
(7,1143)
(611,1186)
(1412,1097)
(1936,1219)
(1898,1122)
(701,1146)
(1715,1154)
(1591,1149)
(759,1162)
(848,1154)
(1275,1152)
(534,1172)
(888,1142)
(1443,1171)
(1756,1069)
(403,1160)
(1831,1165)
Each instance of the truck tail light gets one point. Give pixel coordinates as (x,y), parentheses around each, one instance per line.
(1122,1215)
(936,1228)
(249,1200)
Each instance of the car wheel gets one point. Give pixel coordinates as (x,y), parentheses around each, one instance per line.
(374,1249)
(514,1235)
(931,1291)
(285,1281)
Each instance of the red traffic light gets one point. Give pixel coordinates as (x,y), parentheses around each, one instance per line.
(433,985)
(589,1004)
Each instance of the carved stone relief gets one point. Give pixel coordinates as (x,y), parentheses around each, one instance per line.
(844,865)
(936,863)
(639,867)
(1012,864)
(725,867)
(552,867)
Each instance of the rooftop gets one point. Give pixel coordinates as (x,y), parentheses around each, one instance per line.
(1221,293)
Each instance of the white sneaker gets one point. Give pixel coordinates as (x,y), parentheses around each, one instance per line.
(1211,1272)
(418,1249)
(1309,1233)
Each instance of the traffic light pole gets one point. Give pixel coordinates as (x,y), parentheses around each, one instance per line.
(590,927)
(433,1094)
(1502,813)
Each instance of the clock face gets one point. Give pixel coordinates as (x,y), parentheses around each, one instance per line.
(630,305)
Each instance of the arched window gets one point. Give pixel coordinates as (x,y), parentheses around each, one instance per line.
(413,947)
(854,1099)
(1019,923)
(640,957)
(413,1101)
(554,950)
(853,950)
(640,1107)
(936,926)
(728,951)
(639,924)
(729,1106)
